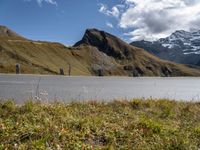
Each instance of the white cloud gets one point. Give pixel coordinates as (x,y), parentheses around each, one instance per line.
(110,25)
(53,2)
(114,12)
(153,19)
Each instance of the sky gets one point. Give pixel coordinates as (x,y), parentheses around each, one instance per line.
(65,21)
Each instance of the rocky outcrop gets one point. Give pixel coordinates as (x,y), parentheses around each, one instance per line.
(107,43)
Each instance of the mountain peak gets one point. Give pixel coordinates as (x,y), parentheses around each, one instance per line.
(106,43)
(90,35)
(181,47)
(180,34)
(92,30)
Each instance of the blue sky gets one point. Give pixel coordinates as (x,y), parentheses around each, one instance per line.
(66,20)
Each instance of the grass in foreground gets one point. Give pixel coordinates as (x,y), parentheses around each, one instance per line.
(137,124)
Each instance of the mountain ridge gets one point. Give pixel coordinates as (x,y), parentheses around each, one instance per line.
(100,39)
(98,50)
(181,47)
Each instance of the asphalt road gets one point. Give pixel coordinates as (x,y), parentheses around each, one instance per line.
(61,88)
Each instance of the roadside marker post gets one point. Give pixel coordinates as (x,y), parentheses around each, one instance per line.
(100,72)
(18,68)
(62,71)
(69,70)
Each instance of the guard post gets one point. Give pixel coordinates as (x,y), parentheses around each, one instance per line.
(61,71)
(100,72)
(18,68)
(69,69)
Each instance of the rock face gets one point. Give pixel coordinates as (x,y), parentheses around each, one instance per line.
(107,43)
(181,46)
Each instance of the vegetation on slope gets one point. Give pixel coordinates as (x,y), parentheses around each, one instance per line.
(47,58)
(97,51)
(136,124)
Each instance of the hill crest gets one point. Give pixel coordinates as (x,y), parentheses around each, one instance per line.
(5,31)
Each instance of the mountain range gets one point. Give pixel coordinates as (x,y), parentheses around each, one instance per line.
(181,47)
(97,50)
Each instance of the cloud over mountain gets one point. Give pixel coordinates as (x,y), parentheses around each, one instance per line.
(114,12)
(108,24)
(152,19)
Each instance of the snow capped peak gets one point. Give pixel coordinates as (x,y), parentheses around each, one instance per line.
(180,34)
(188,42)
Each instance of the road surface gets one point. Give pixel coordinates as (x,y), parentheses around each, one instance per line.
(67,89)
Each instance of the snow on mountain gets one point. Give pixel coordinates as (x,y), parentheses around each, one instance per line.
(188,42)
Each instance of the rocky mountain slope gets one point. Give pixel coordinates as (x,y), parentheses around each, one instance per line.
(134,60)
(96,51)
(181,46)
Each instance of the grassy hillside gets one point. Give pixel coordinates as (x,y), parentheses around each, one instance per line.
(46,57)
(97,51)
(138,124)
(37,57)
